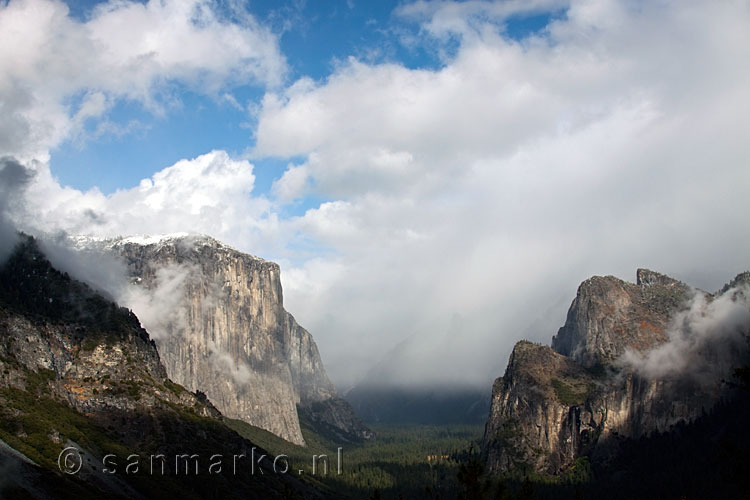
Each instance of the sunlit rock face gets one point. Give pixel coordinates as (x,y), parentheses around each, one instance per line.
(78,370)
(218,319)
(609,316)
(66,340)
(631,359)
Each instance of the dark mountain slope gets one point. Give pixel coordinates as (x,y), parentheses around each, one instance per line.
(78,371)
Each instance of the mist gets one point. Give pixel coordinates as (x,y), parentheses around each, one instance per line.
(160,305)
(14,179)
(485,188)
(705,340)
(223,362)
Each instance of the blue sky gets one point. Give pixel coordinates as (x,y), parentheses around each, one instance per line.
(314,37)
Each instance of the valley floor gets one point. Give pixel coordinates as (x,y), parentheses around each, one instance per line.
(708,458)
(409,461)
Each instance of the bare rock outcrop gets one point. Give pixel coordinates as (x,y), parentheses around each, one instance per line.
(631,359)
(609,316)
(77,370)
(226,332)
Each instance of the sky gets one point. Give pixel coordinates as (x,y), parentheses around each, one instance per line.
(435,178)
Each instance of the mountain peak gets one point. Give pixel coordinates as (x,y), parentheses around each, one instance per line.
(180,240)
(646,277)
(229,335)
(739,280)
(592,388)
(609,316)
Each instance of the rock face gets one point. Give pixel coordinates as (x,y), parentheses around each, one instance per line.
(90,352)
(224,331)
(527,418)
(609,315)
(612,371)
(78,370)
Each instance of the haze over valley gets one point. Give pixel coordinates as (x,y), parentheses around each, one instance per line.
(488,247)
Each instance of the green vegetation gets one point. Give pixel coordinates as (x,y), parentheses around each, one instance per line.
(396,465)
(417,461)
(470,480)
(176,389)
(598,371)
(89,344)
(569,394)
(38,381)
(29,285)
(129,387)
(579,472)
(38,427)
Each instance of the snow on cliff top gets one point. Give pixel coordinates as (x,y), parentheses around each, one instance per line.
(85,242)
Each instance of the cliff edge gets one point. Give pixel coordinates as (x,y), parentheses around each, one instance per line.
(221,328)
(631,359)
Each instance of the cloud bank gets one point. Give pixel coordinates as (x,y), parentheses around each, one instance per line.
(488,188)
(208,194)
(616,138)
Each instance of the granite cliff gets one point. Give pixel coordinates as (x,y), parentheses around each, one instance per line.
(220,327)
(78,370)
(631,359)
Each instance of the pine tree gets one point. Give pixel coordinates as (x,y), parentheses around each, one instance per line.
(527,490)
(470,481)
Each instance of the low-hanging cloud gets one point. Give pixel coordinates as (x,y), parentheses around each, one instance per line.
(705,341)
(100,270)
(223,362)
(161,305)
(14,178)
(489,188)
(159,301)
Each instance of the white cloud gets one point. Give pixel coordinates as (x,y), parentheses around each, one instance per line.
(487,189)
(703,340)
(125,50)
(160,308)
(292,184)
(225,363)
(492,186)
(208,194)
(472,19)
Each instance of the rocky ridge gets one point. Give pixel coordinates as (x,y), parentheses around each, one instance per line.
(227,334)
(579,397)
(78,370)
